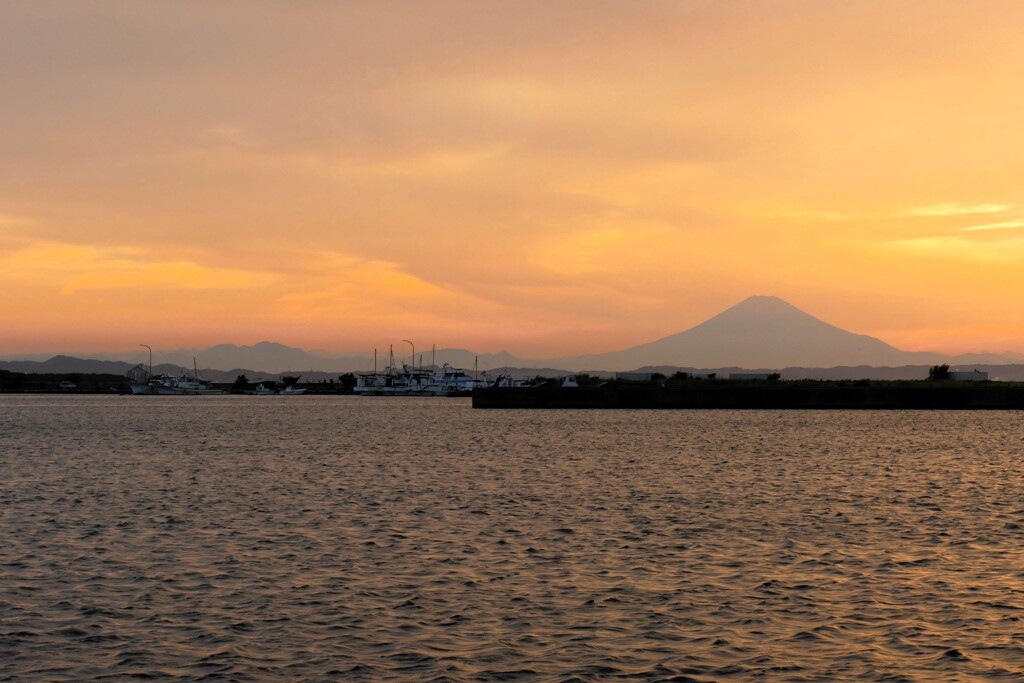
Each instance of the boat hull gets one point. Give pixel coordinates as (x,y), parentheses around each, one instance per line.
(173,388)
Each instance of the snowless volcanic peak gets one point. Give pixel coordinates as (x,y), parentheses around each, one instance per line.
(761,314)
(758,332)
(767,331)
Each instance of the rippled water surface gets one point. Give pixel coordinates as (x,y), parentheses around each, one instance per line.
(344,538)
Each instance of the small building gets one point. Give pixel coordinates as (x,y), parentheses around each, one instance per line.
(968,375)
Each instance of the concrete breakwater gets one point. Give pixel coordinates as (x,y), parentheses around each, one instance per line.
(909,395)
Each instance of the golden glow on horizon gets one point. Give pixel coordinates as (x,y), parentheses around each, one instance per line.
(550,179)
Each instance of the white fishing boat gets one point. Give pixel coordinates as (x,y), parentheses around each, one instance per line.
(452,381)
(509,382)
(178,386)
(412,381)
(393,382)
(264,390)
(143,382)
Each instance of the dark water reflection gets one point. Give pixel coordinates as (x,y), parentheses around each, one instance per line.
(292,538)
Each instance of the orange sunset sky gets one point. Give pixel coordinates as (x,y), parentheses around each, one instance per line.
(551,178)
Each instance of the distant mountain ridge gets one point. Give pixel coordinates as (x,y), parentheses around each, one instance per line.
(758,332)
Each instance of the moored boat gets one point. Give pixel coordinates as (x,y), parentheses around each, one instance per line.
(393,382)
(146,383)
(167,385)
(448,381)
(291,390)
(452,381)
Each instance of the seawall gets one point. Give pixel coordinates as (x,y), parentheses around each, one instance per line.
(990,396)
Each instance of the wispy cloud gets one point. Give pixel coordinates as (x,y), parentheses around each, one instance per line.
(172,275)
(1004,225)
(820,216)
(940,210)
(959,248)
(6,220)
(930,211)
(72,268)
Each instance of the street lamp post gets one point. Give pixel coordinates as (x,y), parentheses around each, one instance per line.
(413,352)
(150,359)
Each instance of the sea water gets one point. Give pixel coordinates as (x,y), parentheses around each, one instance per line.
(351,538)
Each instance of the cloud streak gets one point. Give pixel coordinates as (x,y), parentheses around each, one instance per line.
(943,210)
(1003,225)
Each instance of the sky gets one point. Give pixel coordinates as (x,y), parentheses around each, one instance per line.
(549,178)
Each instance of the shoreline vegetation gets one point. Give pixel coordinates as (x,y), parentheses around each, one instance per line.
(678,391)
(106,383)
